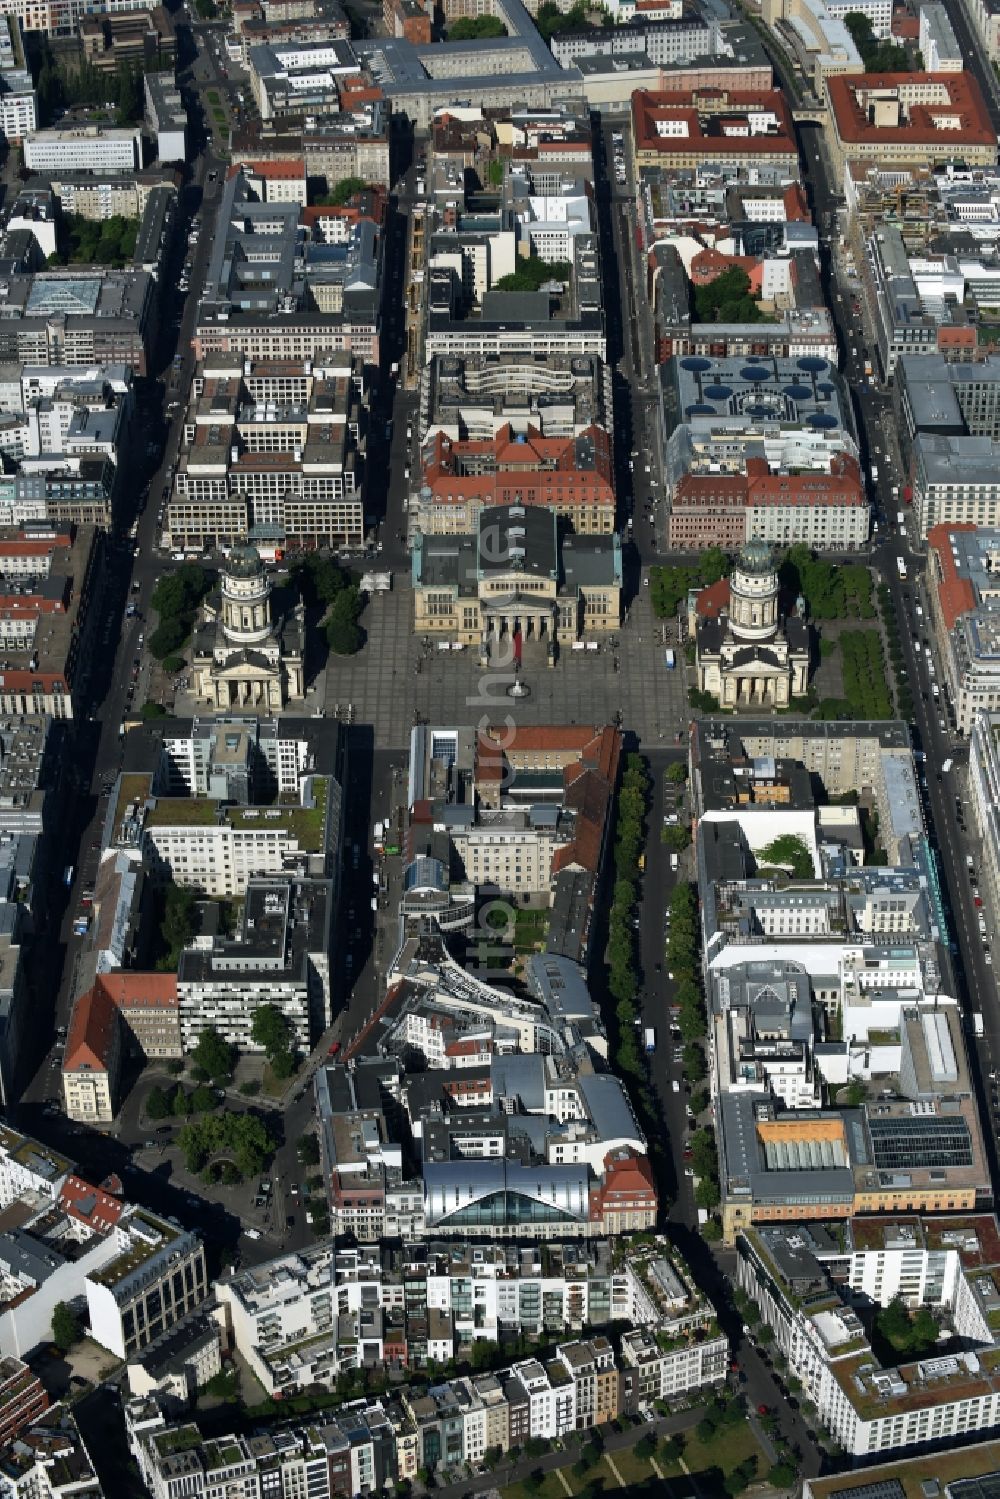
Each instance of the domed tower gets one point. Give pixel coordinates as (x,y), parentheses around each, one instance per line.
(246,598)
(753,593)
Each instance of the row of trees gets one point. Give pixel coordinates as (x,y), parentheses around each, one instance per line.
(866,689)
(633,800)
(832,590)
(164,1103)
(669,586)
(682,948)
(904,697)
(176,598)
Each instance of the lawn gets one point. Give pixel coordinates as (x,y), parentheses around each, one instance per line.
(551,1489)
(729,1447)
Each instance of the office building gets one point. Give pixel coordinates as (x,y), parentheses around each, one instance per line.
(270,454)
(85,148)
(166,117)
(307,298)
(280,956)
(570,477)
(155,1278)
(731,128)
(899,117)
(122,1012)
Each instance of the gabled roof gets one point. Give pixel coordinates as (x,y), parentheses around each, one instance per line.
(92,1031)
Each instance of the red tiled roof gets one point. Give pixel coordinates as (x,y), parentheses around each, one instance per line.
(712,600)
(91,1031)
(963,97)
(129,988)
(89,1204)
(701,110)
(956,595)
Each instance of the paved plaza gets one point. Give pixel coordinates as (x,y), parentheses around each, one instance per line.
(396,676)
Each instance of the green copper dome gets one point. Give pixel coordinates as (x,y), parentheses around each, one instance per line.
(244,561)
(755,556)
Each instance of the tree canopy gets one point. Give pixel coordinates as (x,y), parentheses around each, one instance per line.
(214,1054)
(727,299)
(469,28)
(532,273)
(245,1137)
(66,1328)
(877,56)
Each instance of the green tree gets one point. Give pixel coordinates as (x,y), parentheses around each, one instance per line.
(180,1103)
(672,1449)
(270,1030)
(168,637)
(470,28)
(180,920)
(343,191)
(202,1099)
(706,1193)
(307,1150)
(677,772)
(711,1231)
(782,1474)
(157,1103)
(66,1328)
(645,1447)
(214,1054)
(180,591)
(342,633)
(695,1067)
(727,299)
(788,851)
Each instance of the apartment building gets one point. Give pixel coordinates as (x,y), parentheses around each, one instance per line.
(22,1399)
(804,1285)
(280,956)
(984,789)
(29,1169)
(157,1276)
(76,318)
(51,1448)
(166,117)
(271,452)
(60,17)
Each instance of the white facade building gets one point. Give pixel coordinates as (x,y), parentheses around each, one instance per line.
(87,149)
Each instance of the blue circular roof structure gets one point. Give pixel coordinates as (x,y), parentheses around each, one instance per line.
(759,410)
(695,363)
(812,364)
(700,409)
(822,419)
(798,392)
(827,388)
(755,372)
(717,392)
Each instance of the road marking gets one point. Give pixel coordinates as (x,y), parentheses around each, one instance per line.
(615,1470)
(563,1480)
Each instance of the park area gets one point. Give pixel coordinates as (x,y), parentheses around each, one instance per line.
(682,1467)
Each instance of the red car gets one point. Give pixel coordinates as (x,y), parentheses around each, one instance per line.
(334,1049)
(762,1410)
(978,900)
